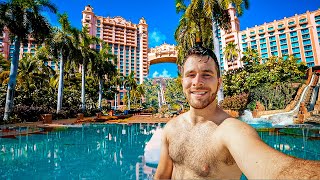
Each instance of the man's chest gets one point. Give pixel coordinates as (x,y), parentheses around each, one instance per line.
(200,150)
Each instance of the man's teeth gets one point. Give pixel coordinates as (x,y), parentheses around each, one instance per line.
(198,92)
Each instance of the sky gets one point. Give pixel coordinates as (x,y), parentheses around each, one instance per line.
(162,18)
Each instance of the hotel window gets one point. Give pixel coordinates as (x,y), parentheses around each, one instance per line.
(274,53)
(317,18)
(283,52)
(53,65)
(309,59)
(309,53)
(270,28)
(263,45)
(280,25)
(253,42)
(310,64)
(264,55)
(295,44)
(283,41)
(264,50)
(308,47)
(252,32)
(291,23)
(318,28)
(297,55)
(281,31)
(244,36)
(261,30)
(295,50)
(282,36)
(273,43)
(272,38)
(274,48)
(284,46)
(263,40)
(305,36)
(305,42)
(303,20)
(294,39)
(261,35)
(244,45)
(304,31)
(294,33)
(304,25)
(254,47)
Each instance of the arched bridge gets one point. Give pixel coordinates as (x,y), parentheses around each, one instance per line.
(162,54)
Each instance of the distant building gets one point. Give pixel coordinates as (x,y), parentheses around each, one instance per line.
(298,35)
(128,41)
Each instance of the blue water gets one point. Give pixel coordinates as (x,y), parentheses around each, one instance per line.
(115,151)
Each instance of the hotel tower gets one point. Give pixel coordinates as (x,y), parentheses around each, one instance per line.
(298,35)
(128,41)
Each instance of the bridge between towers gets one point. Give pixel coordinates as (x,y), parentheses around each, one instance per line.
(164,53)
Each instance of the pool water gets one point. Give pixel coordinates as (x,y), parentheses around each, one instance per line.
(115,151)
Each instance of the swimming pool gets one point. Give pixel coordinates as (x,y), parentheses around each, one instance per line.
(115,151)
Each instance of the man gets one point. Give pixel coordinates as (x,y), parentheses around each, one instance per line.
(206,143)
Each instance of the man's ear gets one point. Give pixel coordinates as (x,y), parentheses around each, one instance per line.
(219,82)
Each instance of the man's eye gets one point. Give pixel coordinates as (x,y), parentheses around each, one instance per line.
(206,75)
(191,75)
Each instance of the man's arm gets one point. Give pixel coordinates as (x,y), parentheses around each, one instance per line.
(164,169)
(257,160)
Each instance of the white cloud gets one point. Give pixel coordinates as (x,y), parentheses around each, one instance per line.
(156,38)
(155,74)
(163,74)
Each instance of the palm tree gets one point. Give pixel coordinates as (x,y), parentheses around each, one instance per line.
(193,25)
(231,52)
(103,66)
(84,42)
(115,83)
(33,75)
(129,84)
(23,19)
(61,46)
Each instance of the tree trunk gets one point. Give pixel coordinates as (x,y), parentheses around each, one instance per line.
(129,99)
(217,53)
(12,80)
(100,93)
(115,101)
(83,92)
(61,83)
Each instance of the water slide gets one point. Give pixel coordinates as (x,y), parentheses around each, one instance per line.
(314,96)
(295,110)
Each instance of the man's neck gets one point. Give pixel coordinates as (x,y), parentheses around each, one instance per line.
(203,115)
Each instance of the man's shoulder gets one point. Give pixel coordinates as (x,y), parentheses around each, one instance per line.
(233,123)
(173,124)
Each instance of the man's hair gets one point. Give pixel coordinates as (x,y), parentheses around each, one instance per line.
(201,51)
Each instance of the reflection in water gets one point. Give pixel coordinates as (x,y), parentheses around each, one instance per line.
(116,151)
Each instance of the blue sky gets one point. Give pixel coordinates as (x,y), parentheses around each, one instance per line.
(163,20)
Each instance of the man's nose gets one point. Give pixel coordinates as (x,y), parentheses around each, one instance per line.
(197,81)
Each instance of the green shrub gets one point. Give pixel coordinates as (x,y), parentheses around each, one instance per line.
(236,102)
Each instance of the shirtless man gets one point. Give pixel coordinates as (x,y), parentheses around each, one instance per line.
(206,143)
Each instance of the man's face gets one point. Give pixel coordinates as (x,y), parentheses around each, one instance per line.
(200,81)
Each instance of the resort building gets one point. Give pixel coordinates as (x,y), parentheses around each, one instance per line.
(298,35)
(128,41)
(7,49)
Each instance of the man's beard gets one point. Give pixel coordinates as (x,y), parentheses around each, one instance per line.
(197,104)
